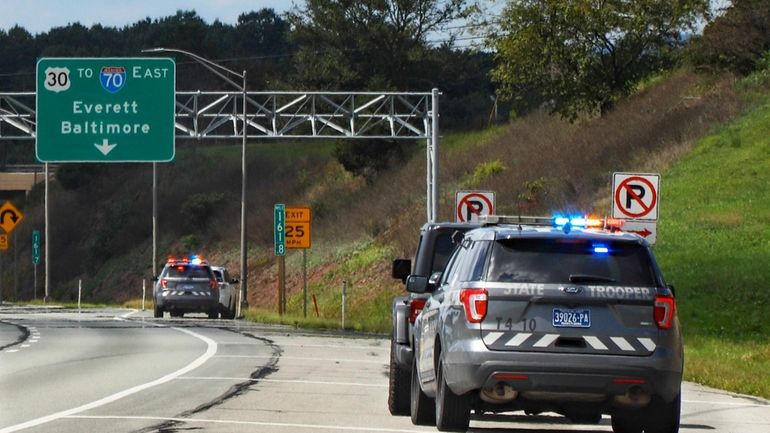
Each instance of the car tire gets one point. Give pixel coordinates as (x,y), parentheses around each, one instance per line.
(213,314)
(399,381)
(453,412)
(626,423)
(663,417)
(157,312)
(422,408)
(585,417)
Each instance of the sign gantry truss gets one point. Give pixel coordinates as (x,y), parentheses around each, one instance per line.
(334,115)
(202,114)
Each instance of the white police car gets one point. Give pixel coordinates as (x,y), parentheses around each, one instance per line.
(227,293)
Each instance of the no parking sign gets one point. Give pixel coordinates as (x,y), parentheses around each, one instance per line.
(635,196)
(470,205)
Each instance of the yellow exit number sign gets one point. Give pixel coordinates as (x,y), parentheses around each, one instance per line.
(298,221)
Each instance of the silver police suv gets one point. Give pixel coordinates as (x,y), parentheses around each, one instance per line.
(548,315)
(186,285)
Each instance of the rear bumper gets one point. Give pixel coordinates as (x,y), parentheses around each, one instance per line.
(550,375)
(188,303)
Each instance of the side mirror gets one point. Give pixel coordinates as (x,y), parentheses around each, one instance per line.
(401,269)
(416,284)
(434,280)
(155,279)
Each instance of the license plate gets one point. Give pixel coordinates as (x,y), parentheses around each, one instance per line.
(563,318)
(187,287)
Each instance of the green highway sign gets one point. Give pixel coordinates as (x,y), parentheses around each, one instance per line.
(279,224)
(35,247)
(105,109)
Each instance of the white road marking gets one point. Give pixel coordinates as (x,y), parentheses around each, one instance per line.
(211,350)
(253,423)
(132,312)
(302,358)
(727,403)
(306,382)
(331,346)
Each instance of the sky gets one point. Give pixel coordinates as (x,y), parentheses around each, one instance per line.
(38,16)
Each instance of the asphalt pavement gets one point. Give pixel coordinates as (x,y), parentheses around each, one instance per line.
(123,371)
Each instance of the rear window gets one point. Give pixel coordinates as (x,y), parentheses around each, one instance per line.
(188,271)
(570,261)
(442,250)
(218,274)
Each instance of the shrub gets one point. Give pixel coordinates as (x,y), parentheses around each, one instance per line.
(198,209)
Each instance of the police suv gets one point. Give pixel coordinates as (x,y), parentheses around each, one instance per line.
(434,247)
(565,315)
(186,285)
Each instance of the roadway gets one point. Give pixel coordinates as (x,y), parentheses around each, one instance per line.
(122,371)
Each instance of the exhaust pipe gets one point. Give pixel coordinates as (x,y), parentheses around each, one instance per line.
(500,393)
(635,397)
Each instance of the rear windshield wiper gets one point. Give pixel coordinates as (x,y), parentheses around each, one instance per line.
(586,278)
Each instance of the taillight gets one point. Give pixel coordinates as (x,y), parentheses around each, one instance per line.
(665,306)
(415,306)
(213,284)
(475,303)
(164,283)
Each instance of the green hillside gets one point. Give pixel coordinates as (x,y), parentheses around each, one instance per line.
(714,248)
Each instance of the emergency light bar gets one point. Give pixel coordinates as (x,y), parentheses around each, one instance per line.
(489,220)
(559,221)
(195,260)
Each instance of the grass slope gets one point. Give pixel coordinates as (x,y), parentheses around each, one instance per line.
(714,246)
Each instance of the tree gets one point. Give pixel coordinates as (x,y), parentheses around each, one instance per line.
(739,40)
(366,44)
(582,55)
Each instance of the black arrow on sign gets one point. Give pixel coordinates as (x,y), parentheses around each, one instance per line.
(10,212)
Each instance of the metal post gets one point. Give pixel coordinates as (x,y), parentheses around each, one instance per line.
(34,281)
(220,71)
(144,292)
(80,291)
(154,220)
(344,295)
(15,268)
(281,282)
(304,282)
(244,256)
(429,178)
(434,157)
(47,249)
